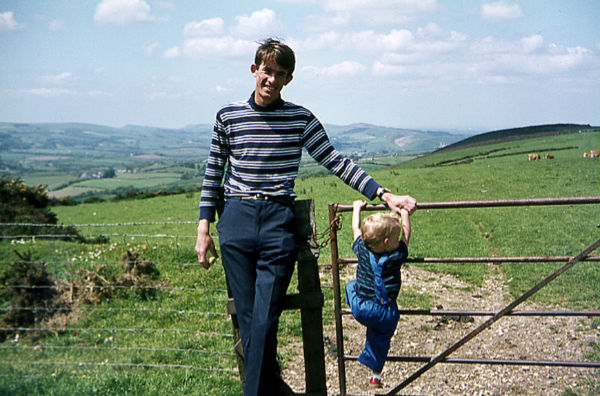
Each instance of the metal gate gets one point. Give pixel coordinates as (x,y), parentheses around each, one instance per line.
(508,310)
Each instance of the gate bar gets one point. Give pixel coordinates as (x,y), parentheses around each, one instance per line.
(485,204)
(442,356)
(425,359)
(489,313)
(534,259)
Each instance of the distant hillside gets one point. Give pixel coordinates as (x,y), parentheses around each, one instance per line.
(85,160)
(71,141)
(368,138)
(505,135)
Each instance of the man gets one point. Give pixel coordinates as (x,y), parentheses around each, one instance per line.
(256,148)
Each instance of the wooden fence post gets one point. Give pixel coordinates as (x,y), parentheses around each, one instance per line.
(311,311)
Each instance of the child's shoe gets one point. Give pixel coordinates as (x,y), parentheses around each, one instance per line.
(375,382)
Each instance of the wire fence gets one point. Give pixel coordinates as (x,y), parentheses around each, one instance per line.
(183,325)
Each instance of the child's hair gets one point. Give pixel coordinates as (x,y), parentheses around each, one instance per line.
(376,227)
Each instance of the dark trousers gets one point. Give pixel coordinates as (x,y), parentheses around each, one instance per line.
(259,247)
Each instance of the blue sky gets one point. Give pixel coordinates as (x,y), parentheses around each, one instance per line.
(425,64)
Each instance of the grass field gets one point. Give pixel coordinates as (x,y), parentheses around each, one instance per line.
(94,358)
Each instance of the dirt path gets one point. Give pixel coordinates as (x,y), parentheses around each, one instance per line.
(513,338)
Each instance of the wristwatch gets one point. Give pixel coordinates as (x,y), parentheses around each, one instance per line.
(381,191)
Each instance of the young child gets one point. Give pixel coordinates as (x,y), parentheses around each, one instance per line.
(381,245)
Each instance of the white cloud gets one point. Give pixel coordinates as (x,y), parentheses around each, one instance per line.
(207,39)
(206,27)
(532,43)
(395,40)
(259,23)
(487,60)
(50,92)
(97,93)
(221,47)
(317,42)
(172,52)
(430,30)
(222,89)
(123,11)
(366,41)
(405,6)
(56,79)
(56,25)
(339,70)
(325,21)
(500,11)
(59,92)
(8,22)
(369,12)
(165,5)
(150,48)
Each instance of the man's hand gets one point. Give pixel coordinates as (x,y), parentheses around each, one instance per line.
(359,204)
(205,243)
(397,202)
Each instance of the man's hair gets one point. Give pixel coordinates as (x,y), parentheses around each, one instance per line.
(275,50)
(376,227)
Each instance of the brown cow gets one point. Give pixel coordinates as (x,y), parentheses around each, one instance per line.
(533,156)
(594,153)
(549,156)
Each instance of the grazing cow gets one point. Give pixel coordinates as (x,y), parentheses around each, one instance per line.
(533,156)
(594,153)
(549,156)
(586,154)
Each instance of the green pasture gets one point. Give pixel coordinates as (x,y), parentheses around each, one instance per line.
(71,362)
(47,179)
(135,180)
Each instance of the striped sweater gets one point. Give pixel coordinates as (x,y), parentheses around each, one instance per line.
(258,149)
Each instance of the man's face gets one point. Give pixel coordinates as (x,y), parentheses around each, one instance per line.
(270,79)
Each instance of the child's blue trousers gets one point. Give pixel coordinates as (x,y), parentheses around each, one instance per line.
(380,319)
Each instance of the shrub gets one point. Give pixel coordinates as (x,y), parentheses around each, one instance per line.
(21,205)
(29,292)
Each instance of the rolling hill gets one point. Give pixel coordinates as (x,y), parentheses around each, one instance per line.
(505,135)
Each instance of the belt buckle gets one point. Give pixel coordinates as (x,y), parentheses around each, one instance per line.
(260,197)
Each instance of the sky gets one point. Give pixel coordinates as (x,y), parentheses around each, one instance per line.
(470,65)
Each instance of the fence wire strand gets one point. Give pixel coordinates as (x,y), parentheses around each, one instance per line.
(116,349)
(109,364)
(135,310)
(112,330)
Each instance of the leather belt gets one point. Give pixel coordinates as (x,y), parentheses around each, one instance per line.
(285,199)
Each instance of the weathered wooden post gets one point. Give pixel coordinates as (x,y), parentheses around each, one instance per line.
(309,301)
(311,296)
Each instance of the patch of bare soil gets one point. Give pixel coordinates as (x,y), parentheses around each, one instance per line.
(511,338)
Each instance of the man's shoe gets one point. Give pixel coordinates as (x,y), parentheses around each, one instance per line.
(375,382)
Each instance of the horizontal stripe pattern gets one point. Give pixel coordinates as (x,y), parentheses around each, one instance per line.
(258,150)
(365,277)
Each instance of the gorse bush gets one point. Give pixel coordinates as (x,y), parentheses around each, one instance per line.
(21,204)
(28,290)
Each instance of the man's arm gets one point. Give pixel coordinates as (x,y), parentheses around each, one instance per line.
(215,169)
(317,144)
(356,210)
(204,243)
